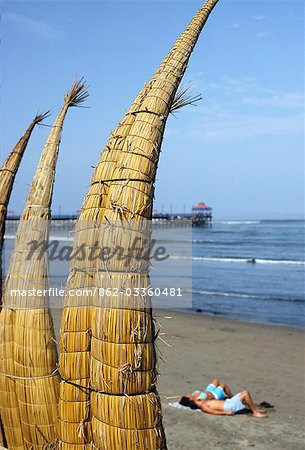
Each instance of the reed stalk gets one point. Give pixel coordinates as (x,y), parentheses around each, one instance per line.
(8,173)
(108,396)
(29,348)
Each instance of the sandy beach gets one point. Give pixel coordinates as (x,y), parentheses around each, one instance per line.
(266,360)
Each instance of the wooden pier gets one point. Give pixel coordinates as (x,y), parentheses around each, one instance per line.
(198,218)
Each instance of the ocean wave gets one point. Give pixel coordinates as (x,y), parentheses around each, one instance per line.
(239,260)
(244,242)
(205,241)
(238,222)
(246,296)
(280,261)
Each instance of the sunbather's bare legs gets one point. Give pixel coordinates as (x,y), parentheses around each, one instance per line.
(226,390)
(247,400)
(225,387)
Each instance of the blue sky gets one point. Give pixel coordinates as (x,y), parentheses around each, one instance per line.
(240,150)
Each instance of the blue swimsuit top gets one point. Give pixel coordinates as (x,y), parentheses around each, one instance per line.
(201,396)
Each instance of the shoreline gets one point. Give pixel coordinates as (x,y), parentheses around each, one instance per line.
(229,318)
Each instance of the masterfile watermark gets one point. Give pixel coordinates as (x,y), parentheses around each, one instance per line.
(115,264)
(137,249)
(102,292)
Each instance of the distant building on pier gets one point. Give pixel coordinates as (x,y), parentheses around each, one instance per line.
(203,210)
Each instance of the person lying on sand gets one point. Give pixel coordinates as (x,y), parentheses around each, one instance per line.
(215,390)
(221,406)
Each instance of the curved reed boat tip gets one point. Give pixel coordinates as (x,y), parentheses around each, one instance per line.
(78,93)
(42,116)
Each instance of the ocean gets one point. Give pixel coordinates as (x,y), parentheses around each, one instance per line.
(251,271)
(247,270)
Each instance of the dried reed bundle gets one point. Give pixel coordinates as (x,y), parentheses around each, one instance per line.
(81,350)
(107,354)
(7,176)
(29,340)
(8,173)
(77,320)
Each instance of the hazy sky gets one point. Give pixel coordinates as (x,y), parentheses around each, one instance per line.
(240,150)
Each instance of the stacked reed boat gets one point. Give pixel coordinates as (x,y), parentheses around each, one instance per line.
(103,388)
(108,396)
(8,173)
(29,383)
